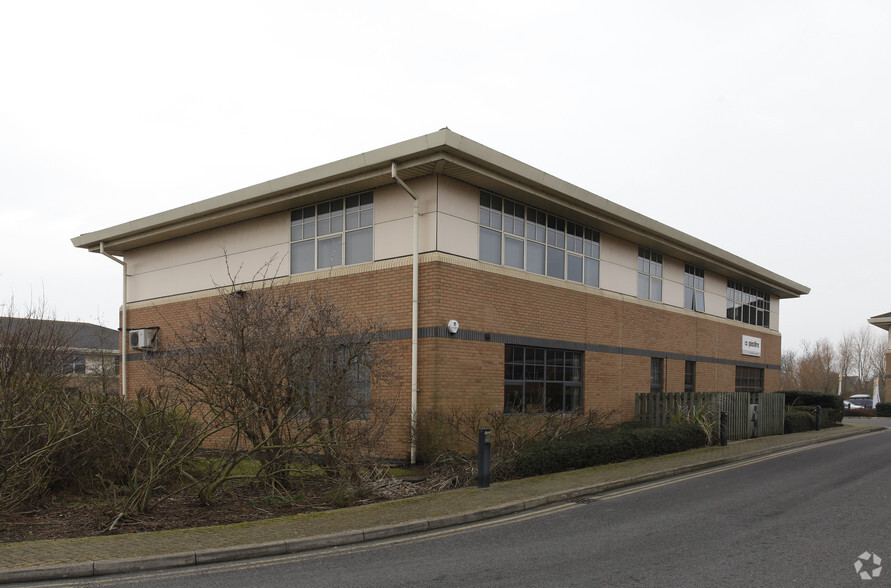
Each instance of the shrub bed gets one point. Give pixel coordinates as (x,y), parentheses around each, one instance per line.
(832,406)
(860,412)
(798,421)
(602,446)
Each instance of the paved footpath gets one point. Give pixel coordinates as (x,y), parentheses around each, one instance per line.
(94,556)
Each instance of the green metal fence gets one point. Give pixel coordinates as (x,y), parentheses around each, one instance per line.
(748,414)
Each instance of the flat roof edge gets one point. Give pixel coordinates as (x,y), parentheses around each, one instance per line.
(445,141)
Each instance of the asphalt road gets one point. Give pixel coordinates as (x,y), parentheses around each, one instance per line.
(800,518)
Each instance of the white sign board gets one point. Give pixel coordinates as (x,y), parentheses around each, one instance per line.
(751,346)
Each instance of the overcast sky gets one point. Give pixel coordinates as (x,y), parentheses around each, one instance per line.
(761,127)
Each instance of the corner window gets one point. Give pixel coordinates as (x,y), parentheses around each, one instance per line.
(747,304)
(542,380)
(694,288)
(334,233)
(517,236)
(649,274)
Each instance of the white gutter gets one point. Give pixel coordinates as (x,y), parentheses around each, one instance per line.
(125,336)
(414,315)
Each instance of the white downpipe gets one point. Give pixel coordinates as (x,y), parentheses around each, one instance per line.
(124,338)
(414,315)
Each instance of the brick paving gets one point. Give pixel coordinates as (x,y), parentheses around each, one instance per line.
(89,556)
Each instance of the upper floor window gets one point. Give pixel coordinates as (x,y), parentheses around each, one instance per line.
(747,304)
(649,274)
(694,288)
(517,236)
(334,233)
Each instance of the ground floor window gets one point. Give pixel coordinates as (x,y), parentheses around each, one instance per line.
(657,375)
(689,376)
(537,379)
(749,379)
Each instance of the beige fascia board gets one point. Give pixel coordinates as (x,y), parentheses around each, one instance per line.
(263,198)
(625,223)
(194,218)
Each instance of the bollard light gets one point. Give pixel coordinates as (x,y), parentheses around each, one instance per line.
(484,455)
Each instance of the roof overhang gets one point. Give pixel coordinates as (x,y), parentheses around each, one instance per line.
(883,321)
(443,152)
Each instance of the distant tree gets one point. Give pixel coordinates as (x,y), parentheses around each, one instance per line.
(862,359)
(816,367)
(846,354)
(789,370)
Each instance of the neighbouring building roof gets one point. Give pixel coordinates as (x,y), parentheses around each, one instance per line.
(443,152)
(81,336)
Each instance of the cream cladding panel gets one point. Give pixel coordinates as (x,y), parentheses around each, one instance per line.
(618,265)
(199,262)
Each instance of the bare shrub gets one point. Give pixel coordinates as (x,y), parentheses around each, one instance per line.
(286,379)
(154,441)
(36,418)
(447,440)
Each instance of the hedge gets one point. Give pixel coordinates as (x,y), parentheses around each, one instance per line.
(799,421)
(603,446)
(832,405)
(883,409)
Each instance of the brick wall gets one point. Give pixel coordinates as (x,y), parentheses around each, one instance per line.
(467,370)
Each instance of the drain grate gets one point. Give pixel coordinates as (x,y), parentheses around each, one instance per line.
(583,500)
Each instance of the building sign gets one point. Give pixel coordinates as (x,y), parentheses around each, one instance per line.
(751,346)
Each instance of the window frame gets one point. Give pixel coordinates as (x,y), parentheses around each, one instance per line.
(342,226)
(694,288)
(749,379)
(657,375)
(747,304)
(525,238)
(650,268)
(536,372)
(689,376)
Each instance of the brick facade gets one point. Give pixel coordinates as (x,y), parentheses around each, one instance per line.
(618,334)
(444,196)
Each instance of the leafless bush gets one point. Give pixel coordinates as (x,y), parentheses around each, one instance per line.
(156,437)
(447,440)
(286,378)
(53,438)
(36,418)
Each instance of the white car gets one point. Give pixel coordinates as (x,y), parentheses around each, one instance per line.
(859,401)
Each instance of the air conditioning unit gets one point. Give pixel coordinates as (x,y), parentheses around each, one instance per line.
(143,339)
